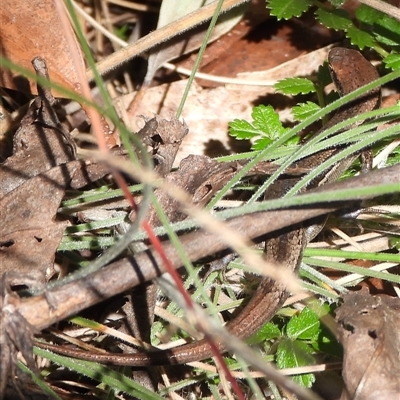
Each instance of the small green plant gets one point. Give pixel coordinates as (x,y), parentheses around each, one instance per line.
(295,342)
(370,28)
(266,127)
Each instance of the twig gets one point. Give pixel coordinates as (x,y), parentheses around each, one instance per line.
(160,35)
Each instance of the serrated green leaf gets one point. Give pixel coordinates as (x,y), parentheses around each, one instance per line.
(367,15)
(267,332)
(265,127)
(334,19)
(305,326)
(261,144)
(392,61)
(384,28)
(293,353)
(360,38)
(306,380)
(286,9)
(242,130)
(266,119)
(295,86)
(304,110)
(387,31)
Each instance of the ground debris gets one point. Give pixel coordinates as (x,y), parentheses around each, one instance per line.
(369,329)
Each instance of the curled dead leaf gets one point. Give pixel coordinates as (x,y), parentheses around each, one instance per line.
(369,331)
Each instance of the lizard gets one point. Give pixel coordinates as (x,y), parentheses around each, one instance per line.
(349,71)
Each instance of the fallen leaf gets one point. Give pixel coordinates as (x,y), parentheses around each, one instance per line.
(32,184)
(29,234)
(302,65)
(260,43)
(164,137)
(209,110)
(30,28)
(369,331)
(38,145)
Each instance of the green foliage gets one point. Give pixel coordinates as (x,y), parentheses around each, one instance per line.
(323,76)
(337,3)
(268,332)
(371,28)
(304,110)
(394,157)
(294,353)
(123,32)
(264,129)
(339,19)
(295,342)
(286,9)
(305,326)
(298,339)
(295,86)
(392,61)
(334,19)
(395,242)
(385,29)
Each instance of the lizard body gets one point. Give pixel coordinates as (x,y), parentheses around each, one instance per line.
(349,70)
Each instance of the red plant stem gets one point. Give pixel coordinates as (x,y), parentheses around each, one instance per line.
(96,122)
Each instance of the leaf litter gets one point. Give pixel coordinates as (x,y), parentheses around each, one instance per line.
(33,182)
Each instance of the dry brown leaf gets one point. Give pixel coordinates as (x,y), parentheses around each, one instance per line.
(208,111)
(164,137)
(262,43)
(205,112)
(29,235)
(31,28)
(32,184)
(369,329)
(302,65)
